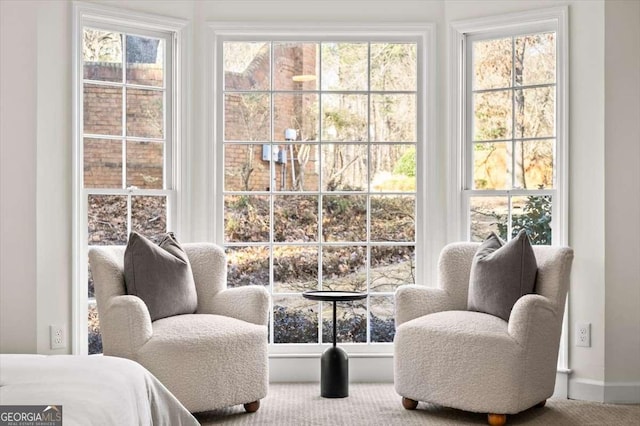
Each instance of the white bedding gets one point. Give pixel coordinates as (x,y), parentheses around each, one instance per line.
(93,390)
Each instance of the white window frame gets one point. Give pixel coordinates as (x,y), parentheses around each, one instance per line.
(176,179)
(426,153)
(554,19)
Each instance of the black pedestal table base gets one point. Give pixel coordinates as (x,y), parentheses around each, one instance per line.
(334,364)
(334,373)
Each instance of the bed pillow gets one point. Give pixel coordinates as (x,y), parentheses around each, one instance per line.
(160,275)
(500,274)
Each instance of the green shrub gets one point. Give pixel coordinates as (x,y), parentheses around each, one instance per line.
(406,165)
(536,220)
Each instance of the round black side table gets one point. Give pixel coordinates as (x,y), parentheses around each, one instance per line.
(334,364)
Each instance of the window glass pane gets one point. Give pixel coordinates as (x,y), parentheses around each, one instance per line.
(295,319)
(492,63)
(91,291)
(149,216)
(534,164)
(492,165)
(391,266)
(107,219)
(393,118)
(393,66)
(382,323)
(344,118)
(488,214)
(535,57)
(533,214)
(492,115)
(393,218)
(247,117)
(145,164)
(535,112)
(295,66)
(295,269)
(145,113)
(297,167)
(351,324)
(344,268)
(393,168)
(247,65)
(102,110)
(345,66)
(295,117)
(246,218)
(101,55)
(335,209)
(95,338)
(344,167)
(295,218)
(102,163)
(244,168)
(145,61)
(247,266)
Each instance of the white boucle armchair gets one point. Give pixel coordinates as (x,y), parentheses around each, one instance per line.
(214,358)
(477,362)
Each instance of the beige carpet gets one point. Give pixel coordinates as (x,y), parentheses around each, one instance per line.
(378,404)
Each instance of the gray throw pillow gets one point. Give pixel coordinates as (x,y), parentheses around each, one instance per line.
(160,275)
(500,274)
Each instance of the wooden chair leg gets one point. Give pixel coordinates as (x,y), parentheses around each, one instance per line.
(409,403)
(252,407)
(496,419)
(541,404)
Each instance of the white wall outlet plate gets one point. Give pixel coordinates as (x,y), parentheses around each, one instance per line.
(583,335)
(58,341)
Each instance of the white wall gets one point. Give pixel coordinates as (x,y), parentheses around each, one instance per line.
(46,125)
(586,192)
(622,200)
(54,171)
(18,177)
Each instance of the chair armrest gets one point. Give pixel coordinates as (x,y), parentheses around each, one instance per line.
(533,319)
(249,303)
(413,301)
(125,326)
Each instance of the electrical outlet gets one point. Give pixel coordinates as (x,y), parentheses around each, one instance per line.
(56,332)
(583,335)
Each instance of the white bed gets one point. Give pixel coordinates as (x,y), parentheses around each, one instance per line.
(93,390)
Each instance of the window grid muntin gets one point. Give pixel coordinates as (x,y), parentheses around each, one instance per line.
(320,192)
(469,189)
(167,56)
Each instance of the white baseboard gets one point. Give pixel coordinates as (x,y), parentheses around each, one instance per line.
(607,392)
(622,393)
(306,368)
